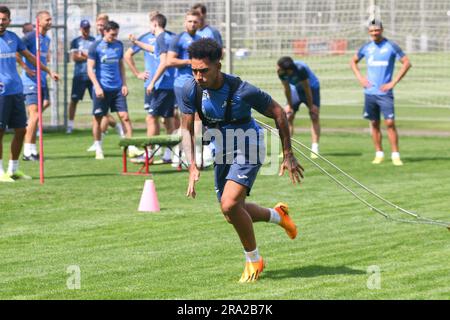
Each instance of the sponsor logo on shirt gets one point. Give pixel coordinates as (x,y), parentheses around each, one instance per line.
(376,63)
(384,50)
(242,177)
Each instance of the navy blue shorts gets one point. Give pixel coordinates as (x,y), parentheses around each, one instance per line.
(244,174)
(31,96)
(160,103)
(12,112)
(79,87)
(375,104)
(113,101)
(298,99)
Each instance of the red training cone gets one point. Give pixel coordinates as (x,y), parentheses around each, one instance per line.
(149,199)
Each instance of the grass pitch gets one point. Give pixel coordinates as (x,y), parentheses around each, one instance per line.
(86,216)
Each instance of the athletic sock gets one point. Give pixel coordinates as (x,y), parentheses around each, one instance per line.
(13,166)
(252,256)
(33,149)
(274,216)
(119,130)
(315,147)
(1,167)
(395,155)
(167,154)
(379,154)
(70,124)
(27,149)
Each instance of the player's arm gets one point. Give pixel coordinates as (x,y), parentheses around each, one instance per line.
(32,59)
(173,61)
(187,134)
(129,59)
(78,55)
(290,163)
(159,72)
(406,65)
(123,74)
(93,77)
(287,93)
(24,66)
(140,44)
(354,65)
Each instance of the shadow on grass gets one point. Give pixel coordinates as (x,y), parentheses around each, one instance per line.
(421,159)
(73,176)
(311,272)
(342,154)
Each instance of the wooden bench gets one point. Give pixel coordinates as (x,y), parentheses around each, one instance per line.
(168,141)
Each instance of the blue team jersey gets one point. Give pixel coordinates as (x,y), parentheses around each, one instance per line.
(245,98)
(10,83)
(30,42)
(304,73)
(210,33)
(81,44)
(380,60)
(162,44)
(150,59)
(180,45)
(107,57)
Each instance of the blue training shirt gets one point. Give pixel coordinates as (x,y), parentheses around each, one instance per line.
(107,58)
(180,45)
(162,44)
(245,98)
(81,44)
(304,73)
(10,82)
(380,60)
(210,33)
(30,42)
(150,59)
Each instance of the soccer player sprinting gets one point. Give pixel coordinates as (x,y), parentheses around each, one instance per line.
(79,48)
(380,55)
(29,80)
(12,106)
(301,86)
(225,103)
(107,73)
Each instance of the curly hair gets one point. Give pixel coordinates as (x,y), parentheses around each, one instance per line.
(205,48)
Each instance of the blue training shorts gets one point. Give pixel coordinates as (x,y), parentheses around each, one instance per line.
(298,99)
(160,103)
(79,87)
(113,101)
(31,96)
(375,104)
(12,112)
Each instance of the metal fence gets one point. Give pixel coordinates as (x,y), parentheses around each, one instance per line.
(324,33)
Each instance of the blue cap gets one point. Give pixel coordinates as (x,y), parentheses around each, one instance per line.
(85,24)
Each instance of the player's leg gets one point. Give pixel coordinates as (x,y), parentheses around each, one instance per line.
(372,113)
(99,112)
(17,121)
(387,107)
(315,123)
(30,136)
(79,87)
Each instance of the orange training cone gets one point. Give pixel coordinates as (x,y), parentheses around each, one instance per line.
(149,199)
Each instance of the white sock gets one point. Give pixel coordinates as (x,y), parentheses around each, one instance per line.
(167,154)
(1,167)
(379,154)
(98,144)
(119,129)
(27,149)
(274,216)
(13,166)
(70,123)
(33,149)
(395,155)
(315,147)
(252,256)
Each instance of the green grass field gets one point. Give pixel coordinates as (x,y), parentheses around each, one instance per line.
(86,215)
